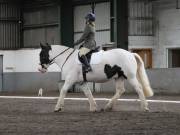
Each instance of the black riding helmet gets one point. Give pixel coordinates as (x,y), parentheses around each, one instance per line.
(90,17)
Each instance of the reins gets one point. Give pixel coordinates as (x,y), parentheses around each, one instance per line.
(51,61)
(67,58)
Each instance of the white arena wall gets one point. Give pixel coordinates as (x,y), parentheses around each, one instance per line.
(20,71)
(23,60)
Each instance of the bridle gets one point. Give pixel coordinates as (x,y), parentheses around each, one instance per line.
(52,60)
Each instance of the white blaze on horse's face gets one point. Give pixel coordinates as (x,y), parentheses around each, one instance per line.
(44,58)
(43,69)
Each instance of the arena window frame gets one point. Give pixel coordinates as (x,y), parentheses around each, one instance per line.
(140,18)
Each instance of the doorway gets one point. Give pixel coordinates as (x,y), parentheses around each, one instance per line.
(1,72)
(174,58)
(146,55)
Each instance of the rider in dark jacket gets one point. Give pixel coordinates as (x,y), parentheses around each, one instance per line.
(88,39)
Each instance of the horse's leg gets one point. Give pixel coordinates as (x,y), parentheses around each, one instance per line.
(119,91)
(137,86)
(87,92)
(60,102)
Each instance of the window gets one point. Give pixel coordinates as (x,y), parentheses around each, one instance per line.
(146,55)
(140,18)
(9,25)
(174,58)
(41,25)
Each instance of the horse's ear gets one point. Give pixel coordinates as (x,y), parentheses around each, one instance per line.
(49,46)
(42,46)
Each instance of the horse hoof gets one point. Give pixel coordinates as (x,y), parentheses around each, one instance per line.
(58,110)
(146,110)
(95,110)
(107,109)
(102,110)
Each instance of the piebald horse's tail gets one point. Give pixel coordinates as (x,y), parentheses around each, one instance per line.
(142,77)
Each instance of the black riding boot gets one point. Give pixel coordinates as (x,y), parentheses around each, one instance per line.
(86,63)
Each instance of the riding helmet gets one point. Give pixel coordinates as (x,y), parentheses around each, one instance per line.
(90,17)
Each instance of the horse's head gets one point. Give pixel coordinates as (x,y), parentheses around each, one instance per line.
(44,57)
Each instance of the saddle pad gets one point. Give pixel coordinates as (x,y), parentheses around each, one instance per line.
(96,58)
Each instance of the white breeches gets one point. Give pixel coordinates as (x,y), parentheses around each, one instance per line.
(83,51)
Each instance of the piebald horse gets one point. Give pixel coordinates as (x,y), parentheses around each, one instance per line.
(117,64)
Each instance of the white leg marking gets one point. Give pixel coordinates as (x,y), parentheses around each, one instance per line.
(60,102)
(137,86)
(119,91)
(87,92)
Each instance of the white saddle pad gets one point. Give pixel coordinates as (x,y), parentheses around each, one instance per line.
(96,58)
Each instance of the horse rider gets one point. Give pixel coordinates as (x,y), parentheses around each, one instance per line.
(88,39)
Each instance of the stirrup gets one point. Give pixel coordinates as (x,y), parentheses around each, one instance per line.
(87,69)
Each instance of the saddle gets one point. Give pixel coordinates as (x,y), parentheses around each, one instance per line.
(88,56)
